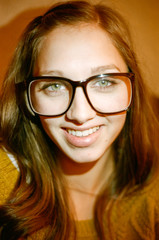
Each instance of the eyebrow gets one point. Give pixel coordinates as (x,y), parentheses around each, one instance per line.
(51,72)
(94,70)
(102,69)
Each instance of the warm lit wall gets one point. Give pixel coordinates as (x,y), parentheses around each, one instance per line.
(142,16)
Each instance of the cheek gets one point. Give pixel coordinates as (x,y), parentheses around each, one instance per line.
(117,119)
(49,125)
(116,124)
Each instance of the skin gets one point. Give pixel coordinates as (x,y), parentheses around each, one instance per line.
(78,53)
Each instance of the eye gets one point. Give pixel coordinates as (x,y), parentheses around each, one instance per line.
(50,87)
(103,83)
(53,86)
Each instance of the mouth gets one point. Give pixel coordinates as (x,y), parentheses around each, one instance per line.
(82,138)
(83,133)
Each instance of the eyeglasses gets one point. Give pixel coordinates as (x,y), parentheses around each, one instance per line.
(109,93)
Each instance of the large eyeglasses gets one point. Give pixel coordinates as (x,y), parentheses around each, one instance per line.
(106,93)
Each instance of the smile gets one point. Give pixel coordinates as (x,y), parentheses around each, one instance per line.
(82,133)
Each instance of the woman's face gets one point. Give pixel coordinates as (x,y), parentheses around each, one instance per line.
(77,53)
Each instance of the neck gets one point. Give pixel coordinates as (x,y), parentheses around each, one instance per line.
(84,183)
(87,177)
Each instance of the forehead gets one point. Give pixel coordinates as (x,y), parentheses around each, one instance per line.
(75,36)
(77,48)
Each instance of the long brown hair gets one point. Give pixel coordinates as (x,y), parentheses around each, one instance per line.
(40,199)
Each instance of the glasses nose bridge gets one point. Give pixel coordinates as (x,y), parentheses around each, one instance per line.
(80,107)
(81,84)
(76,84)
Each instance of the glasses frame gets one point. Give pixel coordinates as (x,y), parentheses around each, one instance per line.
(83,84)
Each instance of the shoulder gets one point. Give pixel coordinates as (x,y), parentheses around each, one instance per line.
(138,213)
(145,212)
(150,195)
(8,176)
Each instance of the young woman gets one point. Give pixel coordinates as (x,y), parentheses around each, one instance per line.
(78,156)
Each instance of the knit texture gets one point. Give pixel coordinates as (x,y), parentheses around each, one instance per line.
(130,218)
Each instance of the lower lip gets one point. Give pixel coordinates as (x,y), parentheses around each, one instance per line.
(82,141)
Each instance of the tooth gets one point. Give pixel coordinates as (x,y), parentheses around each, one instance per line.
(90,131)
(78,133)
(69,131)
(94,129)
(73,132)
(85,133)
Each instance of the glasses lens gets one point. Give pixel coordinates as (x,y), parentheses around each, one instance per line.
(107,94)
(50,96)
(110,94)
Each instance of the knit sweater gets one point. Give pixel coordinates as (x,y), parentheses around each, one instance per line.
(130,218)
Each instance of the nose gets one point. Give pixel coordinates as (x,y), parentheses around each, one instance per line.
(80,110)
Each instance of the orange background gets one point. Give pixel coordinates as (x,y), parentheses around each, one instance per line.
(141,15)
